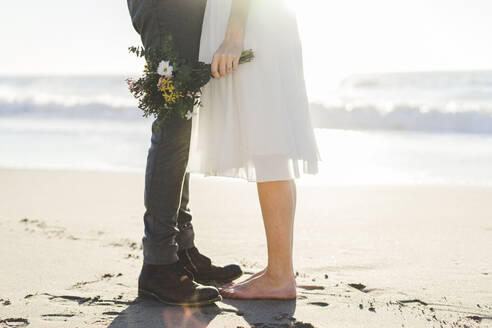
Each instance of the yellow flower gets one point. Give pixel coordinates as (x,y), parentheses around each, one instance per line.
(166,86)
(146,68)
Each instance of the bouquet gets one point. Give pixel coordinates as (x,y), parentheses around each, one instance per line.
(170,84)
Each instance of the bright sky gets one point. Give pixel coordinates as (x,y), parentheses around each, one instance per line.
(340,37)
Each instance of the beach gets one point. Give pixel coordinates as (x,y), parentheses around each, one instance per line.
(365,255)
(394,231)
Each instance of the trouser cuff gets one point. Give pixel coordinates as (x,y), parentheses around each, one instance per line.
(160,255)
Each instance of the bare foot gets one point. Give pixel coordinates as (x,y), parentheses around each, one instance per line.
(254,276)
(262,287)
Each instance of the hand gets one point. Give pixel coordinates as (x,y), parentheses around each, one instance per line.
(226,58)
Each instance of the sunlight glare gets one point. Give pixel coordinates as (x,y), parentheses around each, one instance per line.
(292,4)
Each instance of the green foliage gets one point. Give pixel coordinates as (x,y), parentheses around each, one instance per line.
(189,77)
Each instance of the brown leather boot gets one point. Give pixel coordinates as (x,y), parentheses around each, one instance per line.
(200,268)
(170,284)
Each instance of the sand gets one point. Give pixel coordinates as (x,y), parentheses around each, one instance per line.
(366,256)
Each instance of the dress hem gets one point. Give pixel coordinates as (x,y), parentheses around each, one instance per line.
(221,174)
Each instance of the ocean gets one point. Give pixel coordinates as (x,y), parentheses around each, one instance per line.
(400,128)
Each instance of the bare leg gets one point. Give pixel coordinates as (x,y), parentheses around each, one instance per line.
(260,273)
(278,203)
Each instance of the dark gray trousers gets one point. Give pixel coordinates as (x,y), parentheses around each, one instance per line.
(167,217)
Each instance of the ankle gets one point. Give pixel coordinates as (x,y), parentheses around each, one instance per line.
(280,277)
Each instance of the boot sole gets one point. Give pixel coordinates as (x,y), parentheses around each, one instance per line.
(142,293)
(216,283)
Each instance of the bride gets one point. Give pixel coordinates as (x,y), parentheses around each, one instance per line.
(255,124)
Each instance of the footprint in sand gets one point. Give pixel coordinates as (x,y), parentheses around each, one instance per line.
(294,324)
(5,302)
(359,286)
(38,226)
(81,300)
(106,276)
(311,287)
(363,288)
(14,322)
(126,243)
(132,246)
(322,304)
(56,316)
(403,302)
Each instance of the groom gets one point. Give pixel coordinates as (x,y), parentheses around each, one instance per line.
(174,271)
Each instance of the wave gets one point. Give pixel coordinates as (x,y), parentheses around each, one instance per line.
(433,102)
(66,90)
(401,117)
(405,117)
(68,111)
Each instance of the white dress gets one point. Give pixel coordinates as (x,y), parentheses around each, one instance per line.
(255,123)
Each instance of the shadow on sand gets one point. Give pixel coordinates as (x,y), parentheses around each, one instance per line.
(265,313)
(150,314)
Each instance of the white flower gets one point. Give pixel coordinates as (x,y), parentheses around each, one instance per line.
(165,69)
(189,115)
